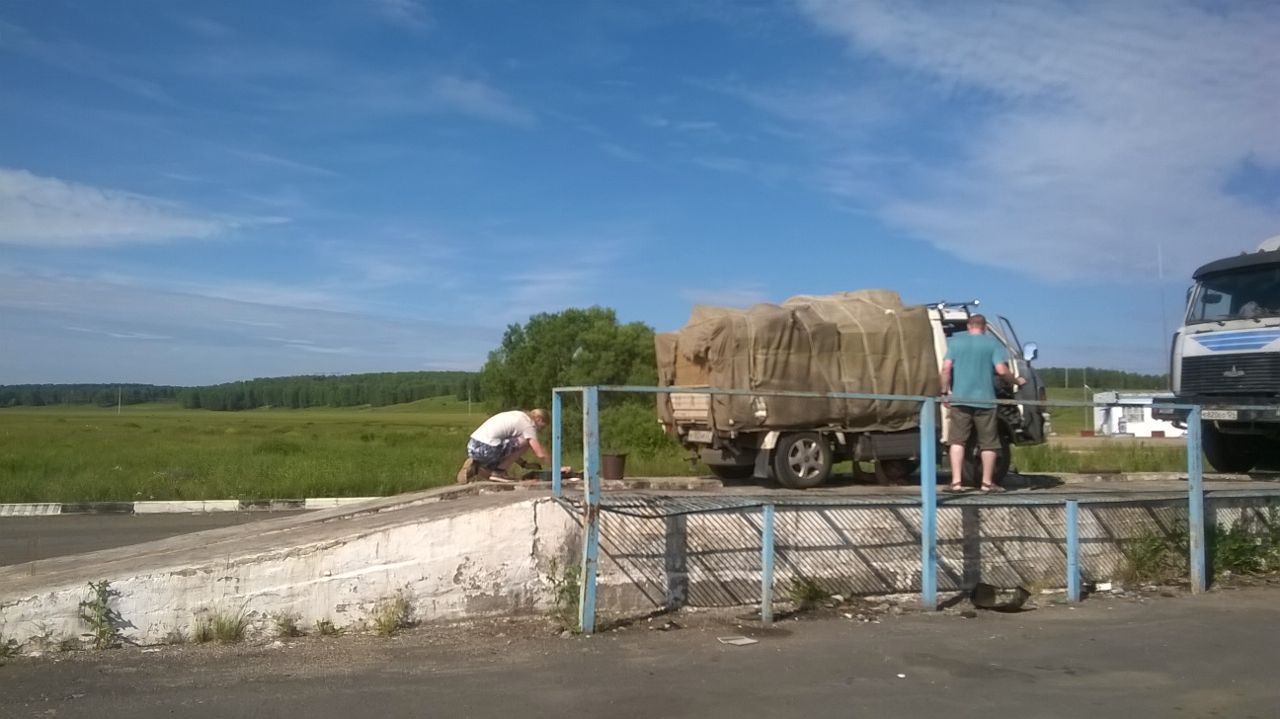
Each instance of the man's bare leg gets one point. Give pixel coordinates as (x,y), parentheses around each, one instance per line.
(988,467)
(956,454)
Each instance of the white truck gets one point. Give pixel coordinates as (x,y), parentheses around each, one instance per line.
(1227,352)
(800,453)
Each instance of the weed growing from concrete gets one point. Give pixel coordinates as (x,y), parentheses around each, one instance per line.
(1156,556)
(104,622)
(806,593)
(9,647)
(566,587)
(393,614)
(326,628)
(221,627)
(175,636)
(286,625)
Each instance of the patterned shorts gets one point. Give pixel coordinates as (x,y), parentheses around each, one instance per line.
(488,455)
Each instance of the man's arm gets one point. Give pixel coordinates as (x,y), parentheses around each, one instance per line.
(944,376)
(538,451)
(1002,371)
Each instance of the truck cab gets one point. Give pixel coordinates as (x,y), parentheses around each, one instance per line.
(1227,352)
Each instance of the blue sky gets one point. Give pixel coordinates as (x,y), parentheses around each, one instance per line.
(196,192)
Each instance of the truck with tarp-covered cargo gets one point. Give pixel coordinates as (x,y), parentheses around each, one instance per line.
(854,342)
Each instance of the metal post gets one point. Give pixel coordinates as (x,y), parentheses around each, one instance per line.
(1073,550)
(928,505)
(557,442)
(766,566)
(591,528)
(1195,501)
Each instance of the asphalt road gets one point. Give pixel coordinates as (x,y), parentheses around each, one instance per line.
(1206,656)
(25,539)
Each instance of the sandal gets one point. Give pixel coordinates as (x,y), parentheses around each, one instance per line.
(992,489)
(956,489)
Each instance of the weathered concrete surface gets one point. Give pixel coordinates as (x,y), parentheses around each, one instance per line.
(1205,656)
(458,552)
(476,554)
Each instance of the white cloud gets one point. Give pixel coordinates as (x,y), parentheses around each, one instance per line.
(407,13)
(741,297)
(48,212)
(475,98)
(1108,129)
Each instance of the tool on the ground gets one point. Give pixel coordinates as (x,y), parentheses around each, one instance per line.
(985,596)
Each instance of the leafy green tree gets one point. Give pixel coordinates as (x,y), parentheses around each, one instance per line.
(573,347)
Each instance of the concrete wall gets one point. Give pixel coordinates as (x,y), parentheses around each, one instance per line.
(497,559)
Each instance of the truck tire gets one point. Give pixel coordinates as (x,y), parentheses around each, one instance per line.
(1234,453)
(971,470)
(731,471)
(802,460)
(895,471)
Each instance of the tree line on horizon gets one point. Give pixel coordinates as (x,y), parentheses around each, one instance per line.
(295,392)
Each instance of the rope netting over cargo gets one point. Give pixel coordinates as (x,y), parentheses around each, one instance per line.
(866,341)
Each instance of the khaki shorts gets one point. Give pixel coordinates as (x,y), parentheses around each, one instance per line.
(967,420)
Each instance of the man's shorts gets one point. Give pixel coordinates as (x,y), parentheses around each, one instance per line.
(490,456)
(967,420)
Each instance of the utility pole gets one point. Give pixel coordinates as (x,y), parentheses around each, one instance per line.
(119,393)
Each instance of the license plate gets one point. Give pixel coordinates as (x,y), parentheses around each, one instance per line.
(1218,414)
(702,436)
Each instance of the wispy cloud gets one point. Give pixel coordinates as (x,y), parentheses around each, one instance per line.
(77,59)
(120,335)
(407,13)
(47,212)
(478,99)
(726,296)
(1105,131)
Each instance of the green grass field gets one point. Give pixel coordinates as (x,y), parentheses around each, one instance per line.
(160,451)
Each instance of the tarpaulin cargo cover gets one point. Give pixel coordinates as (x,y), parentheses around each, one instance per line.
(864,341)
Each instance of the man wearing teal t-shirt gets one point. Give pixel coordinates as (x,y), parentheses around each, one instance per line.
(967,374)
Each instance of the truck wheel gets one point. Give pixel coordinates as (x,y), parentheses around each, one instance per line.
(971,471)
(1234,453)
(895,471)
(802,460)
(731,471)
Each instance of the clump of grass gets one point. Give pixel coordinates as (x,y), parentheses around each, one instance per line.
(1127,457)
(104,621)
(1156,556)
(393,614)
(175,636)
(1239,549)
(275,445)
(806,593)
(286,625)
(566,586)
(222,627)
(326,628)
(9,647)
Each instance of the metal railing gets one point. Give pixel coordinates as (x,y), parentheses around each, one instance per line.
(928,500)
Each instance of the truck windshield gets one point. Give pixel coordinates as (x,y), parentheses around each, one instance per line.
(1243,294)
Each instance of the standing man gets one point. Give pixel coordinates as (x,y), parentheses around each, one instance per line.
(499,443)
(967,373)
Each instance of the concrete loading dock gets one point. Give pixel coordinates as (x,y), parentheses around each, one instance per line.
(478,551)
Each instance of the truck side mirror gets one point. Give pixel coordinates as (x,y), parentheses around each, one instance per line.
(1030,351)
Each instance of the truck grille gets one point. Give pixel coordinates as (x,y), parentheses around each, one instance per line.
(1247,374)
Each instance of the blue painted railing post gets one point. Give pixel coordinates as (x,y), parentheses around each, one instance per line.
(928,505)
(766,566)
(591,528)
(1195,501)
(1073,550)
(557,442)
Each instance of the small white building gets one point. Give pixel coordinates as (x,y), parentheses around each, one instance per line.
(1129,413)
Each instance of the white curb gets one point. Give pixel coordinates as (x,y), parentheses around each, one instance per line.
(41,509)
(187,507)
(331,502)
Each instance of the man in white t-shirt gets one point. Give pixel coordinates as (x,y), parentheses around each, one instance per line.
(499,443)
